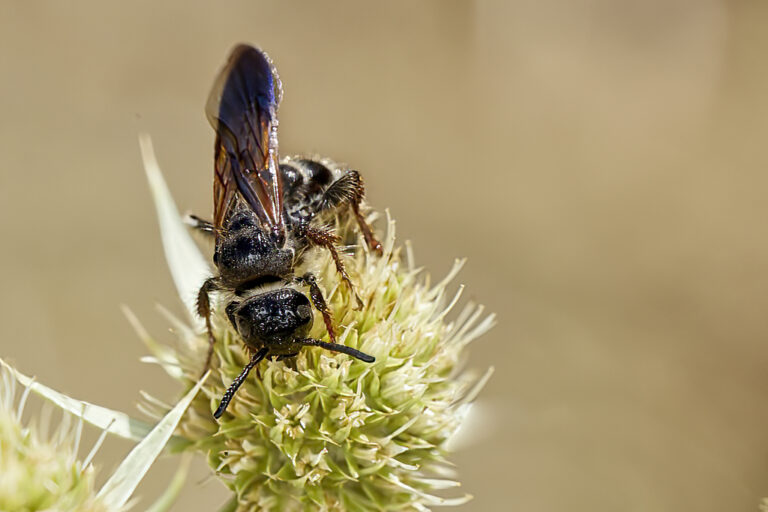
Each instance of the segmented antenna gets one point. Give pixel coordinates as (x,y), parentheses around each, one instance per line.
(335,347)
(256,359)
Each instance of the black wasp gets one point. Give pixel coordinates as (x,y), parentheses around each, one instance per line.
(263,220)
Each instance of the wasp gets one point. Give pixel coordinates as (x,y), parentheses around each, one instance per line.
(266,217)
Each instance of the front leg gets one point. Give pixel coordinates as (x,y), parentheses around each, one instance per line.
(319,302)
(204,310)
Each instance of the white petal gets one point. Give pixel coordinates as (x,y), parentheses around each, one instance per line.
(163,354)
(188,266)
(478,424)
(118,489)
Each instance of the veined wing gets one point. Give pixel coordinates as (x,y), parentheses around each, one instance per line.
(242,108)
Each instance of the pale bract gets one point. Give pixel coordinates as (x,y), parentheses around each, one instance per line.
(322,430)
(43,471)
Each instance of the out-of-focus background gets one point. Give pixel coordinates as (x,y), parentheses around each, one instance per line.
(602,164)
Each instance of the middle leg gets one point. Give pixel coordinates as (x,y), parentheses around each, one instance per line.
(328,240)
(204,310)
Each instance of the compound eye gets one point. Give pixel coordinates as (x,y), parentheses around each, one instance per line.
(318,173)
(291,176)
(304,311)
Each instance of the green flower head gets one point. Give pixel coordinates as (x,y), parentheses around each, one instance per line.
(323,430)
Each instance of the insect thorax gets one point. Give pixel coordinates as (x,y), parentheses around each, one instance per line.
(246,255)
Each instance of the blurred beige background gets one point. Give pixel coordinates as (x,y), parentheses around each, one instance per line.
(601,163)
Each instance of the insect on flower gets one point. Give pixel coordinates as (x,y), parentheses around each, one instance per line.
(263,220)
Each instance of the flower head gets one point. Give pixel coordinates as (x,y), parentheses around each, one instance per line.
(39,471)
(43,473)
(321,429)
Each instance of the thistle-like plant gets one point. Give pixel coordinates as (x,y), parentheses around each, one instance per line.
(322,430)
(43,472)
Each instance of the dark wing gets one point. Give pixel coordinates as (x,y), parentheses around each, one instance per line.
(242,108)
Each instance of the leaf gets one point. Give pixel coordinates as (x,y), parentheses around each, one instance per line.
(188,266)
(123,482)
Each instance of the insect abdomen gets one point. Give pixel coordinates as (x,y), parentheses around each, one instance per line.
(304,178)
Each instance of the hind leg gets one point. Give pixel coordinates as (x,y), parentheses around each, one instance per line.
(372,242)
(349,189)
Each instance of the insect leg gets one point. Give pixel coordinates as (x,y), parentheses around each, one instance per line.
(372,242)
(347,189)
(204,310)
(255,359)
(200,224)
(335,347)
(350,189)
(319,302)
(327,239)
